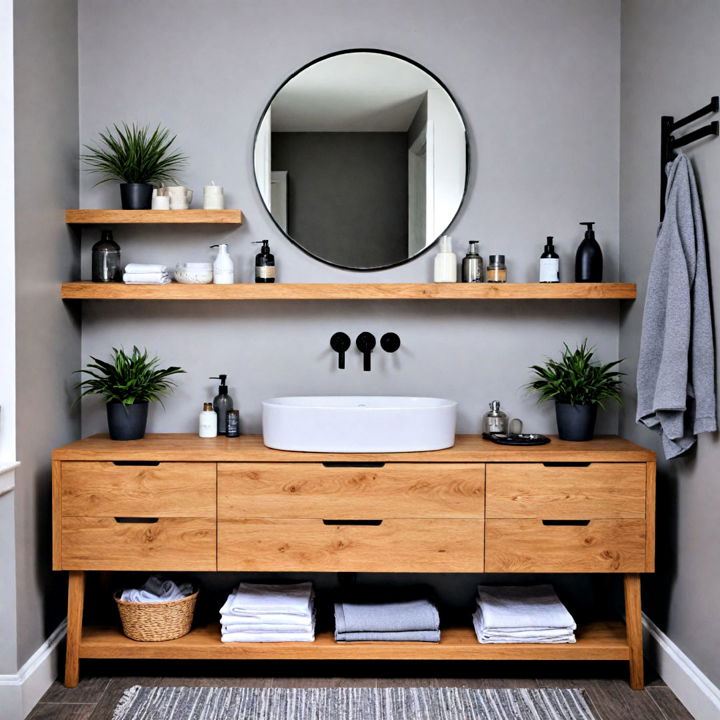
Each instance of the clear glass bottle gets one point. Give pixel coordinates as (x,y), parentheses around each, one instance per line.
(495,421)
(496,270)
(106,259)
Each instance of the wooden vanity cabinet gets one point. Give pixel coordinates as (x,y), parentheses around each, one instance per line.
(178,502)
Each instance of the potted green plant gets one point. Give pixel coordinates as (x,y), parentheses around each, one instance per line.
(128,383)
(137,157)
(579,386)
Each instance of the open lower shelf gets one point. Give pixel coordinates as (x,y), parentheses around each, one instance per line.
(153,217)
(595,641)
(351,291)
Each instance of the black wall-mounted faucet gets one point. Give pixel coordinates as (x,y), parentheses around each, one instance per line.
(340,343)
(390,342)
(365,343)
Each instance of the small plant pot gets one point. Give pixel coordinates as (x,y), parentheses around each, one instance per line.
(136,196)
(127,422)
(575,422)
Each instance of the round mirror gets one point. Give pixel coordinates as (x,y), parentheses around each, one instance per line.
(361,159)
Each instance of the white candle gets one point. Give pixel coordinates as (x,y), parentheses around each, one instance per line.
(213,198)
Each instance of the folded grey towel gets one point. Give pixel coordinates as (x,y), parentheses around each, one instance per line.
(386,617)
(406,636)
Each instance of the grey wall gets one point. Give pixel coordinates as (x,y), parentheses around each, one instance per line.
(48,337)
(670,57)
(347,194)
(544,136)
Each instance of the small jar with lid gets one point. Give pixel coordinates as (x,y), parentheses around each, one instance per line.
(496,270)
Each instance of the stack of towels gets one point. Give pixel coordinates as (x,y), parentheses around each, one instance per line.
(269,613)
(140,274)
(522,615)
(156,590)
(414,621)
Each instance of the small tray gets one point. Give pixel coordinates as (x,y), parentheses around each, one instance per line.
(521,439)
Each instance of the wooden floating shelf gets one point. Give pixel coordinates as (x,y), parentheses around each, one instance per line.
(153,217)
(351,291)
(595,641)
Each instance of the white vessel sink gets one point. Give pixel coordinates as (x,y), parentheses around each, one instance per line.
(359,424)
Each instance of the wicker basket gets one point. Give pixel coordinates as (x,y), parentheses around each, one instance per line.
(154,622)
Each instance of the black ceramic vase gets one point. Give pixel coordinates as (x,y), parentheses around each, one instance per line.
(127,422)
(136,196)
(575,422)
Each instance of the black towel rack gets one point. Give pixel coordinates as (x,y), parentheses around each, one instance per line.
(669,143)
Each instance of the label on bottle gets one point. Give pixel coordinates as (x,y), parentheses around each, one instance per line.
(495,424)
(549,270)
(264,272)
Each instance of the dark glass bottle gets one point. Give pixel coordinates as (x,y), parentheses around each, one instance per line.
(589,259)
(106,259)
(264,264)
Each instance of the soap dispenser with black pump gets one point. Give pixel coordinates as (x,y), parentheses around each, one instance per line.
(589,259)
(222,404)
(549,263)
(264,263)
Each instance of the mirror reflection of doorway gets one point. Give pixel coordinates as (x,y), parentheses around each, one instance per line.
(420,190)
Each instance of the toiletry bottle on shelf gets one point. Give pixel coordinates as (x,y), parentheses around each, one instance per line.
(233,423)
(496,269)
(472,264)
(222,404)
(106,259)
(495,420)
(445,262)
(264,263)
(223,268)
(208,422)
(549,263)
(589,259)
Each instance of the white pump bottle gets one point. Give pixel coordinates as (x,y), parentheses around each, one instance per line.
(223,268)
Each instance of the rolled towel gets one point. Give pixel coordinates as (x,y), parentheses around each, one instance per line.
(157,590)
(293,599)
(406,636)
(146,279)
(386,617)
(558,635)
(536,607)
(142,268)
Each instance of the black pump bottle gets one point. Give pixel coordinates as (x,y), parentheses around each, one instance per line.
(264,264)
(222,404)
(589,259)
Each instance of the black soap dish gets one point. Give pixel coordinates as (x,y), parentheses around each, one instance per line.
(520,439)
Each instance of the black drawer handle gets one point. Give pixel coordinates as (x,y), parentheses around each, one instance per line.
(136,463)
(577,523)
(567,464)
(138,520)
(374,523)
(342,463)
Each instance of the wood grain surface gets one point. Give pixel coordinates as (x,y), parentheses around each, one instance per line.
(155,217)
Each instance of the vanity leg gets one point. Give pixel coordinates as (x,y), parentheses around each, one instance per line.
(633,623)
(76,599)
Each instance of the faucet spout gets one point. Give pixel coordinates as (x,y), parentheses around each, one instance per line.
(365,343)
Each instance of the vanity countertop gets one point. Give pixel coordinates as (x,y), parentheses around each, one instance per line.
(189,447)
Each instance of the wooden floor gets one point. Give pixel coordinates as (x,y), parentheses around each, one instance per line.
(604,683)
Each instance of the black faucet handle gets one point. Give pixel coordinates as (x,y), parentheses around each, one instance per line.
(390,342)
(365,343)
(340,343)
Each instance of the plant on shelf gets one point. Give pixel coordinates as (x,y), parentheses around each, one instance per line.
(137,158)
(578,386)
(128,383)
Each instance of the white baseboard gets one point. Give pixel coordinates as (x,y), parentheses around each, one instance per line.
(692,687)
(19,693)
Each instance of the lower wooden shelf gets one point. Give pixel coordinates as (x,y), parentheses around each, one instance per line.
(595,641)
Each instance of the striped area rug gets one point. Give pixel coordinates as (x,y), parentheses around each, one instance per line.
(228,703)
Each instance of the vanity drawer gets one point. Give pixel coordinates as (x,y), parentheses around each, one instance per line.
(100,543)
(106,489)
(600,545)
(535,490)
(309,545)
(307,490)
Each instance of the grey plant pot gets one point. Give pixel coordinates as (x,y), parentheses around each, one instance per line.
(136,196)
(127,422)
(575,422)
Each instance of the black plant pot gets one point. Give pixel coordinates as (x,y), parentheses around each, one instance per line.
(127,422)
(136,196)
(575,422)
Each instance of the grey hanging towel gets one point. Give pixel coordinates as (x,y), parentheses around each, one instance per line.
(676,367)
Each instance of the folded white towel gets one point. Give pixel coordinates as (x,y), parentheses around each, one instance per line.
(268,619)
(157,590)
(522,608)
(257,598)
(268,637)
(146,279)
(558,635)
(233,623)
(134,268)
